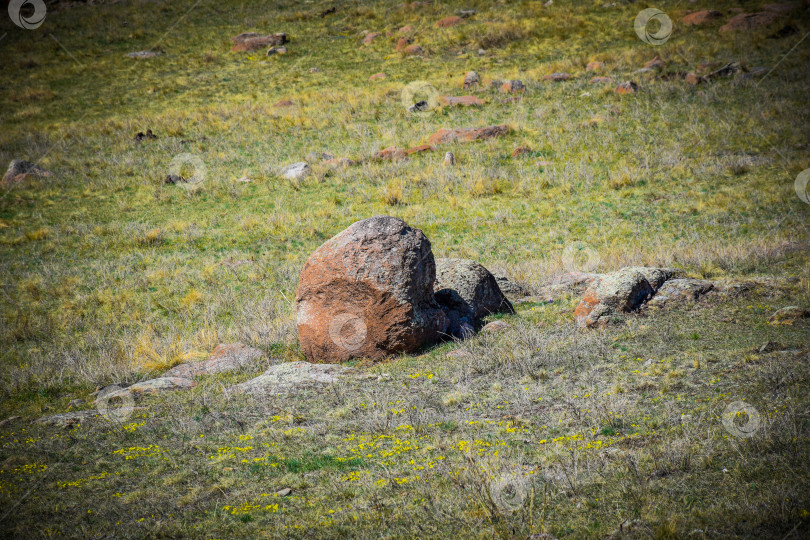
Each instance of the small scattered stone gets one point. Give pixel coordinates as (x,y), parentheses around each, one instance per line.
(471,79)
(513,87)
(403,42)
(789,315)
(447,22)
(496,327)
(296,171)
(444,136)
(407,29)
(141,136)
(627,87)
(465,101)
(370,37)
(703,16)
(557,77)
(414,50)
(252,41)
(19,169)
(655,63)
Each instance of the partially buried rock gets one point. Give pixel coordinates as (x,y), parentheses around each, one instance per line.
(557,77)
(252,41)
(789,315)
(679,291)
(745,22)
(627,87)
(509,288)
(703,16)
(68,419)
(390,153)
(368,292)
(414,50)
(19,169)
(293,377)
(447,22)
(496,327)
(225,357)
(512,87)
(465,101)
(296,171)
(444,136)
(467,292)
(471,80)
(622,291)
(150,388)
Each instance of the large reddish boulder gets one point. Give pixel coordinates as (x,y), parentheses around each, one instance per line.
(252,41)
(703,16)
(750,21)
(368,292)
(467,134)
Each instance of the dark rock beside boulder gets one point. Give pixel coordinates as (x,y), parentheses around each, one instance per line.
(467,292)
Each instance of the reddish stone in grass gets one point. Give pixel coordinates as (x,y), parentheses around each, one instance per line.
(467,134)
(419,149)
(447,22)
(371,36)
(413,49)
(465,101)
(557,77)
(600,80)
(368,293)
(377,77)
(284,103)
(694,79)
(252,41)
(521,151)
(407,29)
(749,21)
(403,42)
(392,152)
(627,87)
(594,66)
(655,63)
(512,87)
(703,16)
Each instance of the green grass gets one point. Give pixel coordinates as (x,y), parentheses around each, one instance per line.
(112,276)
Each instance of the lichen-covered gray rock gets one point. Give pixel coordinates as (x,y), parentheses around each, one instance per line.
(679,291)
(294,377)
(225,357)
(467,292)
(622,291)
